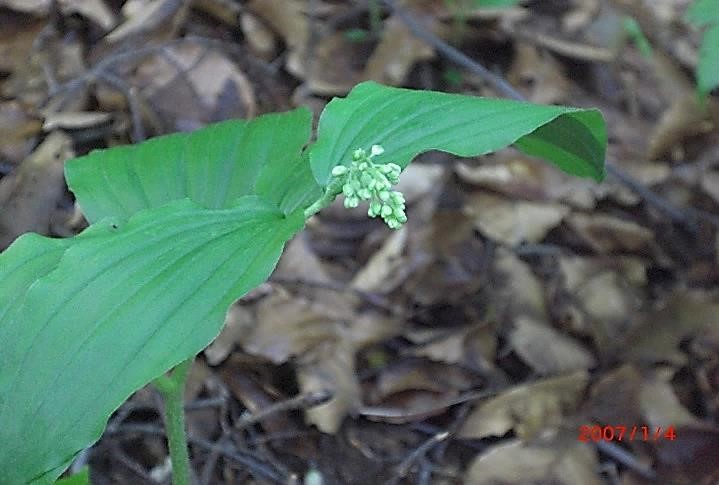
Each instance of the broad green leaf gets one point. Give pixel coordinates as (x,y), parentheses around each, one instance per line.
(496,3)
(212,166)
(81,478)
(87,321)
(407,122)
(708,68)
(705,14)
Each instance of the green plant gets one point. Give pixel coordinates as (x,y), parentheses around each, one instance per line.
(183,225)
(705,14)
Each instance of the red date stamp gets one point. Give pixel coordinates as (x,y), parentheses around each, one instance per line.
(625,433)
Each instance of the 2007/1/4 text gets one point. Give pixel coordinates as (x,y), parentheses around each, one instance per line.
(625,433)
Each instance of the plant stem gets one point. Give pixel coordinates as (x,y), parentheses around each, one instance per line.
(172,388)
(333,189)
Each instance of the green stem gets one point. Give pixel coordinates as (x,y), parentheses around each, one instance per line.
(172,388)
(332,190)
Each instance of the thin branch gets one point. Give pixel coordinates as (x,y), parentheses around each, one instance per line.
(303,401)
(688,218)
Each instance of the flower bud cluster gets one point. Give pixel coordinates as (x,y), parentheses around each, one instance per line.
(366,180)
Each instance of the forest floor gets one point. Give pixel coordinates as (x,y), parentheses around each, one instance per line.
(524,327)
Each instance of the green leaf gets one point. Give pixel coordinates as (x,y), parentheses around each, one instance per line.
(81,478)
(407,122)
(212,166)
(708,68)
(496,3)
(87,321)
(705,14)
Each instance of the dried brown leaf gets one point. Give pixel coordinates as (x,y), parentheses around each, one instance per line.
(658,335)
(29,195)
(606,234)
(396,54)
(527,178)
(560,462)
(211,86)
(528,408)
(512,222)
(546,350)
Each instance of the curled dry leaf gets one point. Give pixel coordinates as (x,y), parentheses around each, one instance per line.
(527,409)
(710,184)
(211,86)
(512,222)
(546,350)
(75,120)
(331,366)
(95,10)
(420,375)
(475,345)
(239,321)
(542,75)
(323,339)
(606,234)
(560,461)
(36,7)
(144,16)
(615,398)
(29,195)
(684,118)
(659,404)
(396,53)
(658,335)
(518,287)
(17,130)
(260,39)
(526,178)
(384,271)
(690,459)
(288,19)
(604,296)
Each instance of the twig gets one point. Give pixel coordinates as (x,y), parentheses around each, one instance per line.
(625,458)
(404,468)
(685,217)
(254,465)
(303,401)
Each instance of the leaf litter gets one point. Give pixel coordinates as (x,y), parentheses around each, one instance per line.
(517,305)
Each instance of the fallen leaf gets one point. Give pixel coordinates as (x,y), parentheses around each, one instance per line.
(604,296)
(383,272)
(518,288)
(690,458)
(660,406)
(396,54)
(512,222)
(541,74)
(143,16)
(559,462)
(658,335)
(260,39)
(39,8)
(239,321)
(17,130)
(29,195)
(75,120)
(546,350)
(606,234)
(525,178)
(210,88)
(95,10)
(527,408)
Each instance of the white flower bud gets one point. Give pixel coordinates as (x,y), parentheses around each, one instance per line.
(376,150)
(339,171)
